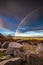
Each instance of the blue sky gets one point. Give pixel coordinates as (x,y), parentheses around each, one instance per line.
(6,32)
(9,26)
(21,18)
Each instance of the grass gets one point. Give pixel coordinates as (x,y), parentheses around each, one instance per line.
(29,47)
(1,54)
(28,38)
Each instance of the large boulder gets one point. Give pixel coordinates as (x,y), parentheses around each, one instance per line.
(35,60)
(12,61)
(9,51)
(39,48)
(27,54)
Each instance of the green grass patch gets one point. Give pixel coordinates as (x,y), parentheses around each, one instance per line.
(1,54)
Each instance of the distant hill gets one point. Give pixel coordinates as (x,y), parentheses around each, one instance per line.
(1,35)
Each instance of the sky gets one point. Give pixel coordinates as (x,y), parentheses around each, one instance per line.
(21,18)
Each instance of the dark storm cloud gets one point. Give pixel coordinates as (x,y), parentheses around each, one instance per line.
(30,29)
(18,9)
(33,21)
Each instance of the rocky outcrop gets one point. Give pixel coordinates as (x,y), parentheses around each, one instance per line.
(5,44)
(35,60)
(12,61)
(0,44)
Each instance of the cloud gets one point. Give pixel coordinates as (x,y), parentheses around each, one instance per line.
(6,32)
(30,33)
(8,23)
(17,10)
(32,21)
(1,22)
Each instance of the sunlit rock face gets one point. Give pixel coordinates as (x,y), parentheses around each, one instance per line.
(39,49)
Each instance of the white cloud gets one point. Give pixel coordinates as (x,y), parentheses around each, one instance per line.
(29,33)
(6,31)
